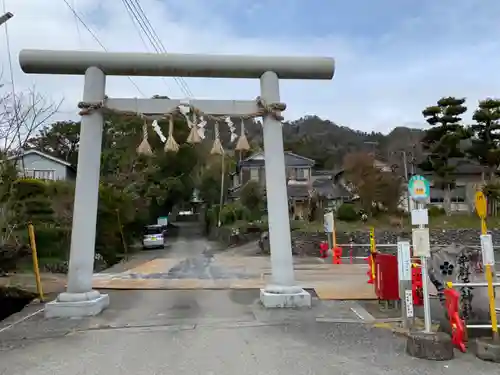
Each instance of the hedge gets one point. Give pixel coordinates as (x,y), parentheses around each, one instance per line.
(48,205)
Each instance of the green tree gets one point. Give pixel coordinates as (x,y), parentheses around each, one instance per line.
(210,179)
(60,139)
(441,142)
(485,141)
(157,183)
(251,196)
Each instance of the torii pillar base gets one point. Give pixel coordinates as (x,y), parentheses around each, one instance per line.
(77,305)
(285,297)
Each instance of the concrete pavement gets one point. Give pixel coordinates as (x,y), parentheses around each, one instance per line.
(197,264)
(211,332)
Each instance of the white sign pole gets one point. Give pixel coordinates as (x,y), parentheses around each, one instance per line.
(404,275)
(329,225)
(419,190)
(424,246)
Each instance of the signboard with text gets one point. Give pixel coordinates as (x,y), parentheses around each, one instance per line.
(419,188)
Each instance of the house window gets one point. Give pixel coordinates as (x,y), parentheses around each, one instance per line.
(254,174)
(457,195)
(300,174)
(236,180)
(40,174)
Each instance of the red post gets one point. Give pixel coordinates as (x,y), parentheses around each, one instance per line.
(370,272)
(323,250)
(457,324)
(417,286)
(337,254)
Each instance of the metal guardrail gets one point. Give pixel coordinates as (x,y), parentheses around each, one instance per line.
(477,285)
(395,245)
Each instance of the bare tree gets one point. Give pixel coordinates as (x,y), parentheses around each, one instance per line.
(21,115)
(371,184)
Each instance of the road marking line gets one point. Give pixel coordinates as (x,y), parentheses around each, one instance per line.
(362,314)
(338,320)
(21,320)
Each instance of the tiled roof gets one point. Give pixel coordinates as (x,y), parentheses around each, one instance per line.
(326,188)
(291,160)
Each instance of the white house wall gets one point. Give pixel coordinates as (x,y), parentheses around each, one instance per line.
(38,163)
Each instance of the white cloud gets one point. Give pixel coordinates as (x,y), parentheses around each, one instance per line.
(379,83)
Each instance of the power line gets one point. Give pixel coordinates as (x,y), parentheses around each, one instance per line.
(76,25)
(130,13)
(137,12)
(141,19)
(180,81)
(94,36)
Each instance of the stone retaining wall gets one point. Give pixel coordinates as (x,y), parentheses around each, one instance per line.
(229,238)
(307,243)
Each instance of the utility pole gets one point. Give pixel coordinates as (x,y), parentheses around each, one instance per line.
(7,16)
(374,145)
(406,178)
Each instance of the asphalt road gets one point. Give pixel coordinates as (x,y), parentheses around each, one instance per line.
(211,332)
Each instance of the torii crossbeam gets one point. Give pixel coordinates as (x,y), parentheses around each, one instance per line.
(79,299)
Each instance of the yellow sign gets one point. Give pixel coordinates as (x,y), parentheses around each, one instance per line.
(480,205)
(372,240)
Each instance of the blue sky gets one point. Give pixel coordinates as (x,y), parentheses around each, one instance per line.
(394,57)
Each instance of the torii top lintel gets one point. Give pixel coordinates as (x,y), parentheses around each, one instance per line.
(175,65)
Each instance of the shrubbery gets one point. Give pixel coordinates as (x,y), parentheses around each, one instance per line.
(233,212)
(435,211)
(347,212)
(49,205)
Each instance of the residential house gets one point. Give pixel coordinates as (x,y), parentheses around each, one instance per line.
(468,176)
(39,165)
(330,194)
(298,173)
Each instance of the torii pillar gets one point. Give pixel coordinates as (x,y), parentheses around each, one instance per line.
(79,299)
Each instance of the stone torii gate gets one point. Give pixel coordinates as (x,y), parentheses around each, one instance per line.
(79,298)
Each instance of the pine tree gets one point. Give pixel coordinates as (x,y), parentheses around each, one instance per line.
(485,142)
(441,143)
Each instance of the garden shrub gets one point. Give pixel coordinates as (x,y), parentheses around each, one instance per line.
(52,242)
(435,211)
(25,188)
(347,212)
(233,212)
(48,205)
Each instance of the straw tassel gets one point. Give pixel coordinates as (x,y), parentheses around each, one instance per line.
(242,144)
(217,146)
(194,136)
(145,148)
(171,145)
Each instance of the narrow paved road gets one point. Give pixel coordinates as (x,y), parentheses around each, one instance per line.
(211,332)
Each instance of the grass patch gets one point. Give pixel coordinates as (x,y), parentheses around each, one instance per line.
(457,221)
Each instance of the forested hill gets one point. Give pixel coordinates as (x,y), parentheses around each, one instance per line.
(328,143)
